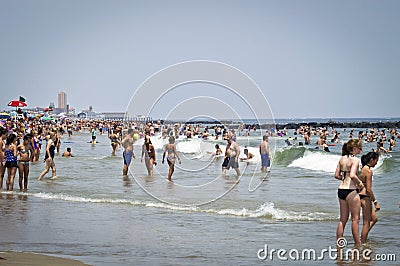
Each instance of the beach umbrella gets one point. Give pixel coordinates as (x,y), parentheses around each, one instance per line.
(16,103)
(5,115)
(47,118)
(2,123)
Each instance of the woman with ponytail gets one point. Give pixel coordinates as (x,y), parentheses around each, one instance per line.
(349,201)
(367,196)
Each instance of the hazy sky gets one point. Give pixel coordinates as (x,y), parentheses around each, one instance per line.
(310,58)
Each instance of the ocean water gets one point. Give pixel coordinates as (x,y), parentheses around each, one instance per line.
(93,214)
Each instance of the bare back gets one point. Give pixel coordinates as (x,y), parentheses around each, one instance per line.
(347,165)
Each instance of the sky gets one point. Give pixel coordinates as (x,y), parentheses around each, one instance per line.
(310,58)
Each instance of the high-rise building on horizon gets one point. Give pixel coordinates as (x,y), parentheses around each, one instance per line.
(62,100)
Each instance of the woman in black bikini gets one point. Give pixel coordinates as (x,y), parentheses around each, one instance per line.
(150,155)
(50,147)
(349,201)
(367,195)
(26,153)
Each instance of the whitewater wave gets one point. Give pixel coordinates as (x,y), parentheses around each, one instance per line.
(315,160)
(266,210)
(203,150)
(285,156)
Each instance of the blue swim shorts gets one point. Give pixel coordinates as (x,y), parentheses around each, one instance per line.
(265,162)
(127,157)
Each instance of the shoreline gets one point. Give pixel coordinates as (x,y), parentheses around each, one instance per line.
(363,125)
(295,125)
(27,258)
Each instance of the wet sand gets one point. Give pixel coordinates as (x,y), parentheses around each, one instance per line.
(21,258)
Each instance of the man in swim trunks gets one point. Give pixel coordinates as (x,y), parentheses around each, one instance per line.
(264,152)
(233,152)
(127,143)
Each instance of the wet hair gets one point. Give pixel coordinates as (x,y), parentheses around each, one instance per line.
(68,149)
(10,139)
(2,131)
(216,146)
(348,147)
(366,158)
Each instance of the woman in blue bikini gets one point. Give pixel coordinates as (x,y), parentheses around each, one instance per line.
(11,160)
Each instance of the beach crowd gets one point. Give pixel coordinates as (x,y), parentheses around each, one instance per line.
(28,140)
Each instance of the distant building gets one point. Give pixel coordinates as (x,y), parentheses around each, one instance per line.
(140,118)
(58,111)
(81,115)
(62,100)
(89,114)
(114,115)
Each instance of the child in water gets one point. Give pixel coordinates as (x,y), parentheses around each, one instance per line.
(67,153)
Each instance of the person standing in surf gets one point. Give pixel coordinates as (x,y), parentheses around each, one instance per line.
(227,157)
(172,154)
(264,152)
(127,144)
(93,132)
(149,155)
(3,139)
(231,156)
(26,153)
(10,152)
(349,201)
(114,142)
(49,157)
(367,196)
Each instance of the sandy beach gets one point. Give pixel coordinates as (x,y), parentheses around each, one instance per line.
(21,258)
